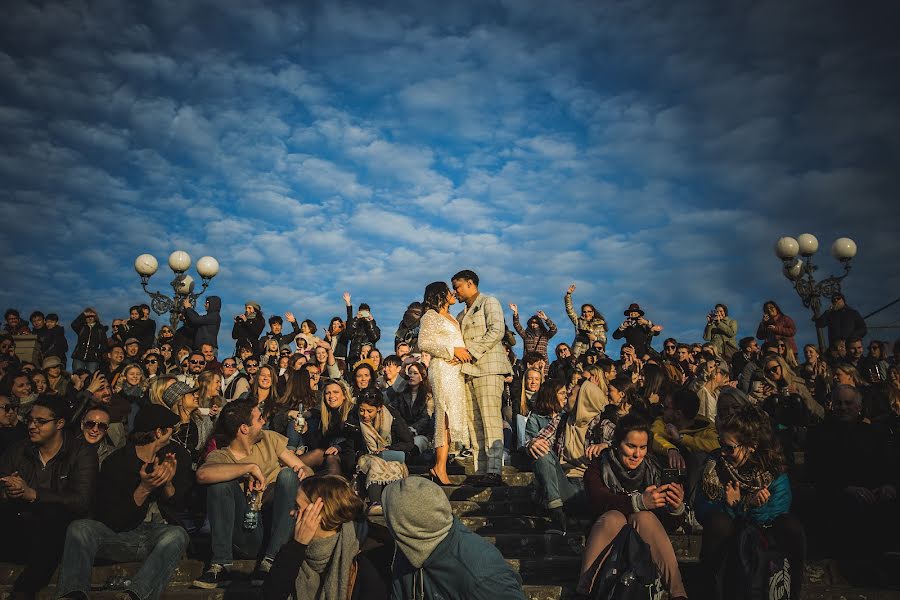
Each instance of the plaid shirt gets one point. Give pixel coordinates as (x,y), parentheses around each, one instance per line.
(536,341)
(554,432)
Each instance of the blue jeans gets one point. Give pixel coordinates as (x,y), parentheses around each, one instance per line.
(226,505)
(80,364)
(553,487)
(157,546)
(295,438)
(392,455)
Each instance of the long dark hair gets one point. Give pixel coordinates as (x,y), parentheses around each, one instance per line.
(753,428)
(299,394)
(435,296)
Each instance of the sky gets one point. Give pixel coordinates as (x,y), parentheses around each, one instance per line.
(649,152)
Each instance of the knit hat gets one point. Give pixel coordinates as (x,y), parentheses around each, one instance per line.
(418,515)
(255,305)
(176,391)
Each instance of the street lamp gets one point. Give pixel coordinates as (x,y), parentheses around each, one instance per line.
(182,286)
(799,270)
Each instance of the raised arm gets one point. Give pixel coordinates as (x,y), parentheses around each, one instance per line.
(567,300)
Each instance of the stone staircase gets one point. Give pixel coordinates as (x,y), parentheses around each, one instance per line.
(505,516)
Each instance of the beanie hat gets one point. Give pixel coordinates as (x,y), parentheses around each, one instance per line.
(418,515)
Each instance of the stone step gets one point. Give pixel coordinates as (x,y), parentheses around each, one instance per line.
(474,494)
(520,479)
(247,592)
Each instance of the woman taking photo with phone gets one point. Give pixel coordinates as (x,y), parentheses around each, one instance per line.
(625,485)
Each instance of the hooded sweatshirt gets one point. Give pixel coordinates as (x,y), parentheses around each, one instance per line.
(437,556)
(699,436)
(206,327)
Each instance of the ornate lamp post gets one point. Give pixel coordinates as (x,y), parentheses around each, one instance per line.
(182,285)
(800,271)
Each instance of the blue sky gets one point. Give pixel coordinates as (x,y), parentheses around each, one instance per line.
(651,152)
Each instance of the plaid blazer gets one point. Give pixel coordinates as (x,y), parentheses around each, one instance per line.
(483,328)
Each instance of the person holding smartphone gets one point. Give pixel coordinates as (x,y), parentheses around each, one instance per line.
(625,485)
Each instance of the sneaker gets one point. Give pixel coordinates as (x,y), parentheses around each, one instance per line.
(558,525)
(216,576)
(258,577)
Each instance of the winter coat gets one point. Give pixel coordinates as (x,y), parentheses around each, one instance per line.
(586,331)
(247,332)
(779,502)
(699,436)
(722,335)
(414,411)
(464,566)
(842,324)
(144,330)
(206,327)
(359,332)
(283,339)
(784,330)
(53,342)
(536,341)
(91,345)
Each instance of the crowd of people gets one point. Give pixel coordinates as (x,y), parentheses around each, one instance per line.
(281,447)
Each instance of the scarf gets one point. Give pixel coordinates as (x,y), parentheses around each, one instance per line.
(591,401)
(132,391)
(750,480)
(378,434)
(325,574)
(621,480)
(380,471)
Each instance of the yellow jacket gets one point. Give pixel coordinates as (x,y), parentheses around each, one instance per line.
(701,436)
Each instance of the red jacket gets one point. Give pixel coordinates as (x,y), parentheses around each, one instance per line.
(784,330)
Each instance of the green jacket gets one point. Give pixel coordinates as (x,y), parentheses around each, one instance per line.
(464,566)
(721,334)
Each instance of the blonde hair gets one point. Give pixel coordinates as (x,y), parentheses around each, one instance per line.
(340,504)
(158,387)
(204,380)
(346,406)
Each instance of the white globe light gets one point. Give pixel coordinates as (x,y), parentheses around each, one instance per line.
(808,243)
(786,248)
(187,285)
(794,270)
(146,265)
(179,261)
(207,267)
(843,249)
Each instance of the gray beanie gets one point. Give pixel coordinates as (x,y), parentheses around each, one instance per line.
(418,515)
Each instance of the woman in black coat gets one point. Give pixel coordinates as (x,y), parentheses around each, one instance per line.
(248,326)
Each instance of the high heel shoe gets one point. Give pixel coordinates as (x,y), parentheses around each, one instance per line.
(433,476)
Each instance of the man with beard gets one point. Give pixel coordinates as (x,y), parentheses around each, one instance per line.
(46,482)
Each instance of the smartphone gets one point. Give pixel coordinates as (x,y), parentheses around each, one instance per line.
(671,476)
(365,314)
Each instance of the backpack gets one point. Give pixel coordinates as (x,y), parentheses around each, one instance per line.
(628,573)
(754,568)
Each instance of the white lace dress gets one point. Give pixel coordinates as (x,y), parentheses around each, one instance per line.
(438,337)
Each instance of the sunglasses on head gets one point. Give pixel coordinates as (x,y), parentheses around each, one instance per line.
(92,424)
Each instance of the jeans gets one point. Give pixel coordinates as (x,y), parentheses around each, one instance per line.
(553,486)
(80,364)
(295,438)
(393,455)
(157,546)
(226,505)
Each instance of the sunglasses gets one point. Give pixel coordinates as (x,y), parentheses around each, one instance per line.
(251,365)
(729,448)
(88,425)
(229,365)
(773,369)
(151,362)
(198,362)
(670,347)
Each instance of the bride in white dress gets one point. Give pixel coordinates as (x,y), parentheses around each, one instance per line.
(440,336)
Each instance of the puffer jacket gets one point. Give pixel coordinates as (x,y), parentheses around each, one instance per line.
(91,345)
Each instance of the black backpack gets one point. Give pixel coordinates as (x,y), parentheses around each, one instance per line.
(754,568)
(628,573)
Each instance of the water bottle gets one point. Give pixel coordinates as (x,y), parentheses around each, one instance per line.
(251,518)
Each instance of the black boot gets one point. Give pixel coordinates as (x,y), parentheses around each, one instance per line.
(558,523)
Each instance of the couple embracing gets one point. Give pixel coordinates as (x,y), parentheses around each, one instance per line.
(467,368)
